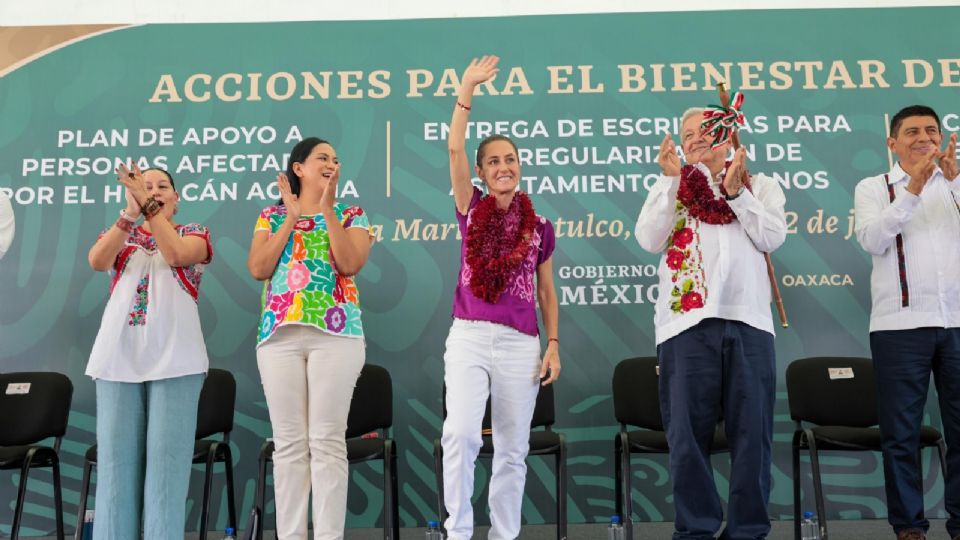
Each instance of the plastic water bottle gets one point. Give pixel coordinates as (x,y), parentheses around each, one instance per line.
(433,531)
(809,527)
(229,534)
(86,533)
(615,529)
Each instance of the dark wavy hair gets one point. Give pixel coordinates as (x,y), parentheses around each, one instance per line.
(299,154)
(907,112)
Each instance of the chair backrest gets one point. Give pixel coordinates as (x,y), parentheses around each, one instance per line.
(636,393)
(372,405)
(833,391)
(33,406)
(217,400)
(544,412)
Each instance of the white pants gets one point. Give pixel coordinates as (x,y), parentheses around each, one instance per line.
(308,379)
(487,359)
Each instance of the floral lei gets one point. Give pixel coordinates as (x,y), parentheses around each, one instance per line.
(491,259)
(699,200)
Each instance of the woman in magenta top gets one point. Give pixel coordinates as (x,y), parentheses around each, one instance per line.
(493,349)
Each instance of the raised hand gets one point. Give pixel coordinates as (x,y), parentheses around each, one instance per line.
(668,159)
(133,181)
(733,180)
(948,159)
(290,200)
(480,71)
(329,197)
(133,207)
(925,169)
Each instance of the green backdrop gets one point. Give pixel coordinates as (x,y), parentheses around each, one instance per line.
(586,97)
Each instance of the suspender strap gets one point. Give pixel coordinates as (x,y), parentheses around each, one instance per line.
(901,259)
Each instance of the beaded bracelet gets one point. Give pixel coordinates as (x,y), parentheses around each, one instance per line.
(124,225)
(151,208)
(462,106)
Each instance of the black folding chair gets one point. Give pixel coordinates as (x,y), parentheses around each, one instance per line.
(636,402)
(839,397)
(34,406)
(368,439)
(214,415)
(542,443)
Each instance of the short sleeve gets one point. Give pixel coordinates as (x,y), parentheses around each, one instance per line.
(355,217)
(548,241)
(195,229)
(263,221)
(462,218)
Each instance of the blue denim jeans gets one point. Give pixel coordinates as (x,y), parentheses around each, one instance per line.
(145,436)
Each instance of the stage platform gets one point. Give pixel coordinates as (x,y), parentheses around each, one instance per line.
(873,529)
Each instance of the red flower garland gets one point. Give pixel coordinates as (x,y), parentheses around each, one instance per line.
(493,259)
(699,200)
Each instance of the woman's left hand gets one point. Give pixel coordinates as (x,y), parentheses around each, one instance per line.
(329,197)
(551,364)
(133,181)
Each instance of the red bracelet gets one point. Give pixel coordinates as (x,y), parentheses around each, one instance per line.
(124,225)
(462,106)
(553,339)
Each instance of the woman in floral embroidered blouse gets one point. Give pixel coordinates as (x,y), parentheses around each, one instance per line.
(310,346)
(148,361)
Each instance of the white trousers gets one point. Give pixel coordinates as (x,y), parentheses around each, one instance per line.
(308,379)
(487,359)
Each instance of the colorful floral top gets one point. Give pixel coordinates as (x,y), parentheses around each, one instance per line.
(151,325)
(306,288)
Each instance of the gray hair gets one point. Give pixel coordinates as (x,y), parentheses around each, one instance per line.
(698,111)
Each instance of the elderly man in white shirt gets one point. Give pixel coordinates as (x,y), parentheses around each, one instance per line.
(7,225)
(714,328)
(909,220)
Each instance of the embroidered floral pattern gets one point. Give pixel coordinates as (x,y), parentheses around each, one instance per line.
(685,261)
(188,277)
(306,288)
(138,315)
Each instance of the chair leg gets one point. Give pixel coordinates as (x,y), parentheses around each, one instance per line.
(207,480)
(231,497)
(438,469)
(817,486)
(562,490)
(618,479)
(391,517)
(626,478)
(82,505)
(58,496)
(796,486)
(21,494)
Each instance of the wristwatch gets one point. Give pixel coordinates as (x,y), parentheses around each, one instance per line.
(735,195)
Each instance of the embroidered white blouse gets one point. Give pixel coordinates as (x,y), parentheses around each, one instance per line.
(151,326)
(719,268)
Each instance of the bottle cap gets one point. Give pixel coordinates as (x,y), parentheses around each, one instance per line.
(230,530)
(432,524)
(807,515)
(614,519)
